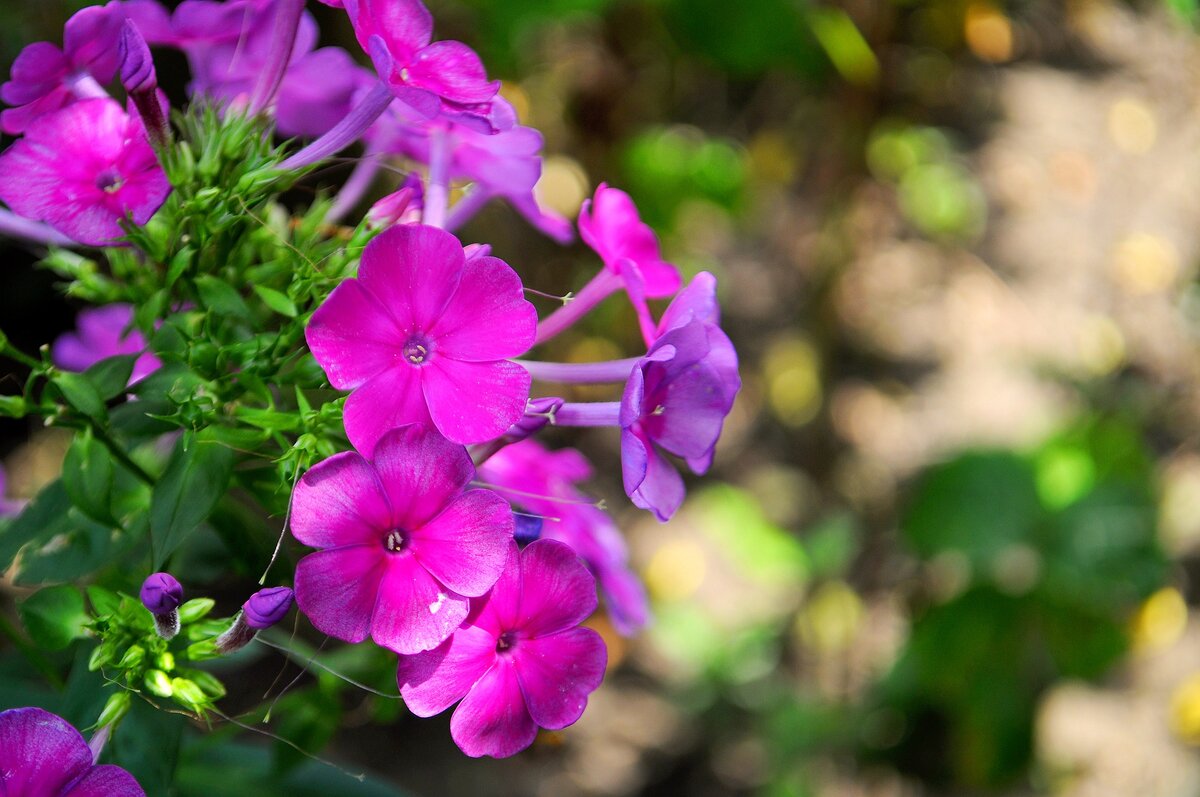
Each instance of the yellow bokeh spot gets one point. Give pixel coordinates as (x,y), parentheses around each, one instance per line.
(1160,621)
(676,570)
(831,618)
(563,186)
(1101,345)
(988,32)
(1143,263)
(1132,125)
(793,380)
(517,97)
(1185,710)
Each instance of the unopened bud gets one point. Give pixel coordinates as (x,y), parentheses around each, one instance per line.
(267,607)
(399,207)
(195,609)
(189,694)
(114,710)
(158,683)
(162,594)
(141,83)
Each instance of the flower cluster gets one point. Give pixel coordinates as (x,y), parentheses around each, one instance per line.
(443,532)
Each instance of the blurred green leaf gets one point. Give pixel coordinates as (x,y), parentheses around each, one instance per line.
(54,616)
(195,480)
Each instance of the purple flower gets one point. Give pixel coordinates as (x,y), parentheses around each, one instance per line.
(423,336)
(41,755)
(543,482)
(103,332)
(505,164)
(267,607)
(676,399)
(404,545)
(444,77)
(609,223)
(84,170)
(520,662)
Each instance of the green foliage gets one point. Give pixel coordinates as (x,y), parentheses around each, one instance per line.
(54,616)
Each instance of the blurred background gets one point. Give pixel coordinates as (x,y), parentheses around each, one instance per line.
(950,544)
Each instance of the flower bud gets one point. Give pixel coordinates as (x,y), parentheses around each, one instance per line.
(528,528)
(267,607)
(399,207)
(162,594)
(141,83)
(188,694)
(115,709)
(195,609)
(158,683)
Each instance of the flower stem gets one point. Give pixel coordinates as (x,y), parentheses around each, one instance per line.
(355,187)
(608,372)
(437,193)
(465,208)
(596,291)
(345,132)
(279,54)
(588,413)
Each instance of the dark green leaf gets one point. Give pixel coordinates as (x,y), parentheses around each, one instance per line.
(221,297)
(88,477)
(47,512)
(54,616)
(111,375)
(195,479)
(76,547)
(82,394)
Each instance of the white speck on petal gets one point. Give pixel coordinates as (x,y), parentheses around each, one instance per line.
(436,606)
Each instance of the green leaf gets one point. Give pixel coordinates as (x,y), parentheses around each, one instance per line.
(82,394)
(221,297)
(88,477)
(195,479)
(277,301)
(54,616)
(76,547)
(110,376)
(104,601)
(46,512)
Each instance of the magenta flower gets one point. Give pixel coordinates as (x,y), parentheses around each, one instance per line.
(41,755)
(544,483)
(444,77)
(404,545)
(83,170)
(520,662)
(423,336)
(676,399)
(103,332)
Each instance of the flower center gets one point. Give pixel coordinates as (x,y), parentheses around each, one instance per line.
(416,351)
(506,642)
(395,541)
(108,181)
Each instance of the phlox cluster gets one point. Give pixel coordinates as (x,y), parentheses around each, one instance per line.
(425,529)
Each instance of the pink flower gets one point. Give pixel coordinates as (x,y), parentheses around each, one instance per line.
(520,662)
(609,223)
(104,332)
(403,545)
(83,170)
(41,755)
(422,336)
(543,482)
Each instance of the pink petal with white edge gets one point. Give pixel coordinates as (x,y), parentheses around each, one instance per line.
(414,612)
(489,318)
(340,502)
(475,402)
(557,590)
(413,270)
(105,781)
(390,399)
(435,680)
(452,70)
(492,720)
(40,752)
(466,545)
(353,337)
(558,672)
(421,472)
(337,589)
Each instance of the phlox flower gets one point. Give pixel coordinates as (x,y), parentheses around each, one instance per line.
(676,399)
(434,78)
(41,755)
(100,333)
(544,482)
(403,544)
(521,661)
(423,336)
(83,170)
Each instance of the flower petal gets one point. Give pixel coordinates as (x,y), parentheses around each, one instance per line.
(432,681)
(389,399)
(105,781)
(452,70)
(489,318)
(421,472)
(40,752)
(558,672)
(466,545)
(557,590)
(660,488)
(413,270)
(340,502)
(337,589)
(492,719)
(475,402)
(502,605)
(353,337)
(414,612)
(405,25)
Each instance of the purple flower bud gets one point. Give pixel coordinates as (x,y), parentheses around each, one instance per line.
(399,207)
(162,594)
(267,607)
(538,413)
(141,82)
(527,529)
